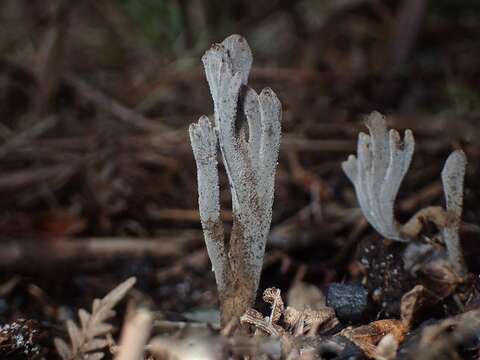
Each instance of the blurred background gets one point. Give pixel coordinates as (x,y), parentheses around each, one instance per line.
(97,177)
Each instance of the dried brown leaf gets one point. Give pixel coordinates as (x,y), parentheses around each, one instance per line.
(367,337)
(415,301)
(440,278)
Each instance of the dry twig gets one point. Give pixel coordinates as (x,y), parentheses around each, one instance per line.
(29,253)
(134,336)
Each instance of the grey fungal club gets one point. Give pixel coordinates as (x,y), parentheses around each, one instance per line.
(246,134)
(382,160)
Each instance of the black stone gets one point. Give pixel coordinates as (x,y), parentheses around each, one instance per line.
(350,302)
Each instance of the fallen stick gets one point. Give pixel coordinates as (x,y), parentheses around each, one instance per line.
(113,107)
(187,215)
(134,336)
(27,135)
(36,253)
(21,178)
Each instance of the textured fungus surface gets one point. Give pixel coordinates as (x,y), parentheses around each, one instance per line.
(250,164)
(377,172)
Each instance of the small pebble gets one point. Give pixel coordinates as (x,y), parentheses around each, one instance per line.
(349,300)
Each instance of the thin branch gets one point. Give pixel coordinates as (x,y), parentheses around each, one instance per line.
(134,336)
(112,106)
(32,253)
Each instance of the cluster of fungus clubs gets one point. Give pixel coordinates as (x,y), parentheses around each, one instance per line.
(245,135)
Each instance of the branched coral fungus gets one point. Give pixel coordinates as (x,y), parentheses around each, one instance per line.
(247,131)
(377,171)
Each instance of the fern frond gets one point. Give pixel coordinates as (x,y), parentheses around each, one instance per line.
(87,340)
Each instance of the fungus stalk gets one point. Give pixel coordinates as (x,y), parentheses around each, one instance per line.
(453,175)
(246,129)
(377,172)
